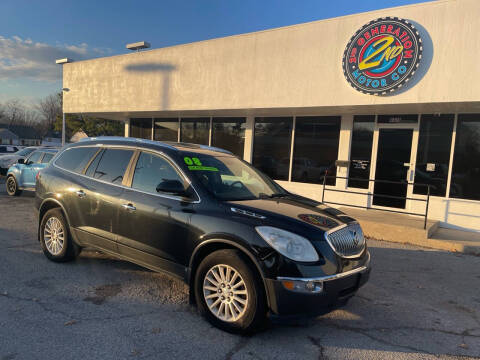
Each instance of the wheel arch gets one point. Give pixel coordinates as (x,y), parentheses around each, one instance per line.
(211,245)
(49,204)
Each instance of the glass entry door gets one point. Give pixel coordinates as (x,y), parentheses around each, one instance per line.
(393,164)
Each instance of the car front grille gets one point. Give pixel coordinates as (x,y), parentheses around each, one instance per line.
(347,241)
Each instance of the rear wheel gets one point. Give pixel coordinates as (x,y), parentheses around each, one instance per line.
(55,239)
(12,186)
(229,292)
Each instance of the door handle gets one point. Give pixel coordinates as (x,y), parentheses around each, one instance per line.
(129,207)
(80,193)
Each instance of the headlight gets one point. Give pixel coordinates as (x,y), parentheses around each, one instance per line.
(291,245)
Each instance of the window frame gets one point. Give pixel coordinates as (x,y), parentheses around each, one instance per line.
(458,119)
(27,159)
(44,155)
(285,118)
(133,164)
(128,175)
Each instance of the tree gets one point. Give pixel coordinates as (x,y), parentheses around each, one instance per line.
(91,125)
(13,112)
(49,109)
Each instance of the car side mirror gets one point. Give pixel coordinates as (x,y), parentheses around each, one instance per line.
(21,161)
(174,187)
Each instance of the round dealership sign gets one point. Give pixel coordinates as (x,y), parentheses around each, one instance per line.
(382,56)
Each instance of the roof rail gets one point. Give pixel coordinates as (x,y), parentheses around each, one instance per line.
(213,148)
(129,139)
(170,144)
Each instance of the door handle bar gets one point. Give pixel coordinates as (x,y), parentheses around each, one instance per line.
(129,207)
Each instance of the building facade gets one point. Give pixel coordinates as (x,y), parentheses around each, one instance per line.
(385,104)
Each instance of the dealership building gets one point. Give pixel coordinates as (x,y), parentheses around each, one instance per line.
(385,104)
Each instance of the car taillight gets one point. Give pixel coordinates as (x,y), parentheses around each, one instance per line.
(37,176)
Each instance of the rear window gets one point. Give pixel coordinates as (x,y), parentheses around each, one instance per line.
(35,157)
(47,158)
(75,159)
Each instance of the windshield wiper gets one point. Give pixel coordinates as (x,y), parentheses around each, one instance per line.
(275,195)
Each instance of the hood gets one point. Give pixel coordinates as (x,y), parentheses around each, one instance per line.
(5,158)
(296,209)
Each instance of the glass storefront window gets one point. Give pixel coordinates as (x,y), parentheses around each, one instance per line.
(195,130)
(141,128)
(229,133)
(315,148)
(397,119)
(361,151)
(466,159)
(271,146)
(166,129)
(433,154)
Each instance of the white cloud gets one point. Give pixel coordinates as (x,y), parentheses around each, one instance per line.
(26,59)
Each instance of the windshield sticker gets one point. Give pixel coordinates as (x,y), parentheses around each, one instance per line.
(190,161)
(204,168)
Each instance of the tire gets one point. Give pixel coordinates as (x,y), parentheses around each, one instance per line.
(12,186)
(55,238)
(234,316)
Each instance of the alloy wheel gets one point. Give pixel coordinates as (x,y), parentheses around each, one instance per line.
(225,293)
(54,236)
(11,185)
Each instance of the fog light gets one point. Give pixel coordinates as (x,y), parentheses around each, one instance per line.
(303,286)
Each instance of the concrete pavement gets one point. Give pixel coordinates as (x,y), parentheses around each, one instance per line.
(419,304)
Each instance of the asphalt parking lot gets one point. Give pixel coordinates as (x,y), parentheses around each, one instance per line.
(419,304)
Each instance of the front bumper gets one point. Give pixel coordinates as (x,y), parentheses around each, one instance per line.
(336,290)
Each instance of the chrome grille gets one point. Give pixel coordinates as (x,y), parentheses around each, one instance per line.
(347,241)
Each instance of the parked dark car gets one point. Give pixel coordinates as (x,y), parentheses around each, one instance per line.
(244,245)
(8,149)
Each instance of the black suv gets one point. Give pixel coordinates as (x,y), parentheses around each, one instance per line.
(244,245)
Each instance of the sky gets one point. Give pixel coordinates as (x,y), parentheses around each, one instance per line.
(33,33)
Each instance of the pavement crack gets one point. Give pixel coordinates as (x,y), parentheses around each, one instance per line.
(36,301)
(239,346)
(319,346)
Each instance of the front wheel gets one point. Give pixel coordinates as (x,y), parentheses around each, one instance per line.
(55,239)
(229,292)
(12,186)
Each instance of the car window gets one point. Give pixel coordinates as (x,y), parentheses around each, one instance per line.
(151,170)
(46,159)
(229,178)
(93,165)
(112,165)
(75,159)
(35,157)
(25,152)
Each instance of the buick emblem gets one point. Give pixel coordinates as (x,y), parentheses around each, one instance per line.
(355,238)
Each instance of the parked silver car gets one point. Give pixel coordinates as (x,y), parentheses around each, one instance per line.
(8,160)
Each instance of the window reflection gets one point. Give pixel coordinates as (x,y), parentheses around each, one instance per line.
(271,146)
(166,129)
(433,154)
(195,130)
(316,148)
(141,128)
(229,134)
(361,151)
(466,162)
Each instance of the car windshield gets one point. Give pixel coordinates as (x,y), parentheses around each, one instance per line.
(25,152)
(228,178)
